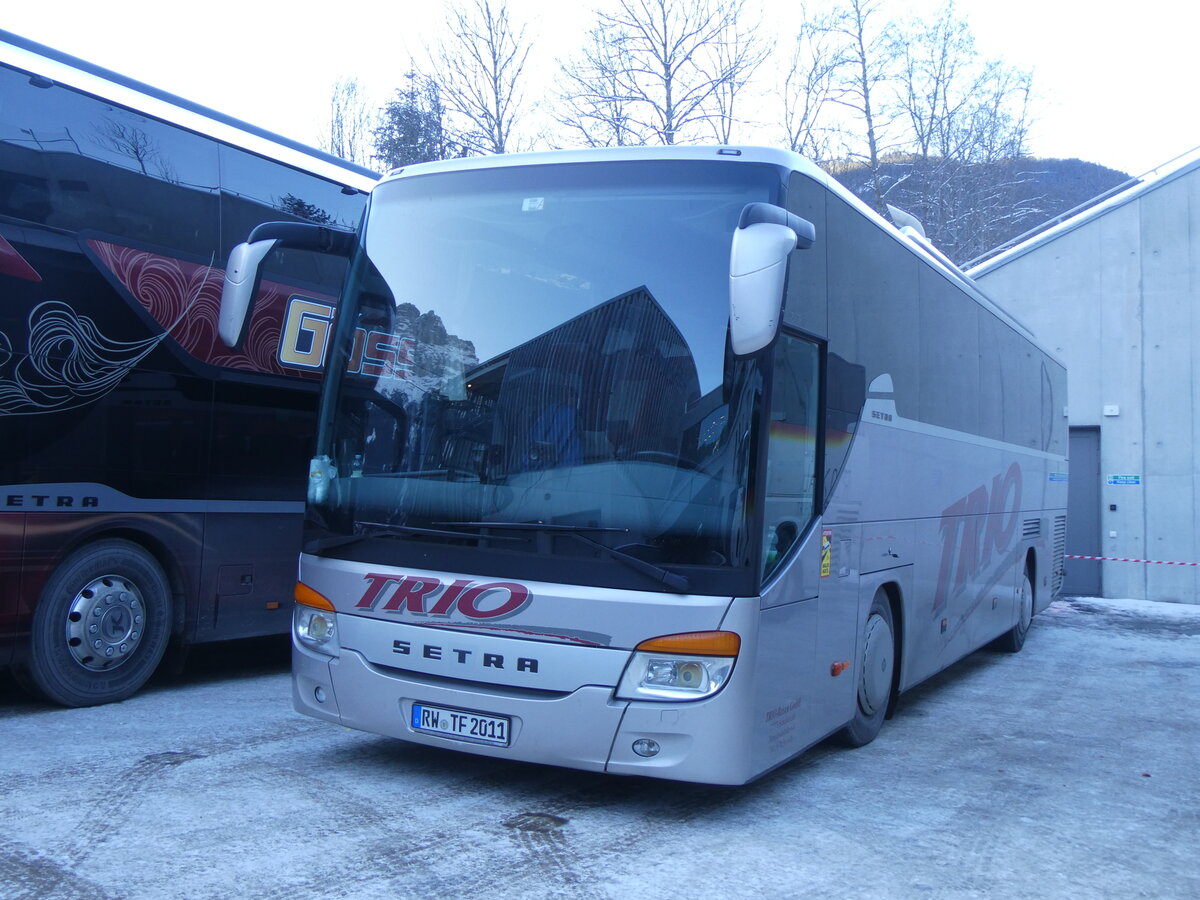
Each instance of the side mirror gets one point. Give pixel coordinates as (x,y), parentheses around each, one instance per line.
(758,259)
(245,262)
(237,293)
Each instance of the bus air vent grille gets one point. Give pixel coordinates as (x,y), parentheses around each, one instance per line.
(1060,545)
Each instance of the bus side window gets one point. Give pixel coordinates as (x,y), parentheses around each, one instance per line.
(75,162)
(791,448)
(256,190)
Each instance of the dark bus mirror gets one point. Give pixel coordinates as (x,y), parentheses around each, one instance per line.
(245,264)
(237,293)
(758,259)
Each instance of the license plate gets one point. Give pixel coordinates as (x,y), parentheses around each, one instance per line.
(460,724)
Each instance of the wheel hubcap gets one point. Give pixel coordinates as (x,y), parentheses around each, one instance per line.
(1025,601)
(105,622)
(876,683)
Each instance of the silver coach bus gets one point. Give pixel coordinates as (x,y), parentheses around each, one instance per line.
(657,461)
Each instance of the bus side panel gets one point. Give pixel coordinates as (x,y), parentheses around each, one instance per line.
(843,607)
(249,574)
(957,435)
(970,518)
(786,696)
(262,437)
(12,540)
(806,660)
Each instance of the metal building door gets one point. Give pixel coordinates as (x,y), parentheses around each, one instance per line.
(1083,514)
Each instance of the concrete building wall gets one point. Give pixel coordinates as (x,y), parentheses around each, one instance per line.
(1117,294)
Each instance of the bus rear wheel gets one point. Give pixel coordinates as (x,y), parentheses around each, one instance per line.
(101,625)
(1014,639)
(876,667)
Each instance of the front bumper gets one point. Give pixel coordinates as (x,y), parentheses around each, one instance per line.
(585,728)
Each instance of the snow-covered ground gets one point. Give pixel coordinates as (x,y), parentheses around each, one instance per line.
(1069,770)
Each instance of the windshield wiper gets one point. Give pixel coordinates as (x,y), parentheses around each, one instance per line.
(380,530)
(537,526)
(663,576)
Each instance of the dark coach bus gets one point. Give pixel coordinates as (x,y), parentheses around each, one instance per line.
(151,480)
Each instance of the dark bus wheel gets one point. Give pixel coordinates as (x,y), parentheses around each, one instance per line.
(101,625)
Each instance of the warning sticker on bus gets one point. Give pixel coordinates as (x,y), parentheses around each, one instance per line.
(826,553)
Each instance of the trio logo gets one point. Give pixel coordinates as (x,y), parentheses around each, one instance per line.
(975,529)
(424,595)
(304,341)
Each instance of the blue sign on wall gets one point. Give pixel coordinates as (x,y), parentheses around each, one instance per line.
(1124,479)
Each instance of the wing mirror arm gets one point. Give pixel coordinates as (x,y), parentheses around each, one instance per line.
(758,264)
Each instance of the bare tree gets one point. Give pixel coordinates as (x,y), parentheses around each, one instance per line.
(931,60)
(127,140)
(810,86)
(999,119)
(479,68)
(659,64)
(967,120)
(863,83)
(931,127)
(350,123)
(732,61)
(593,103)
(958,107)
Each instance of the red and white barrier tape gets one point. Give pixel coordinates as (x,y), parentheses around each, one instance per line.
(1155,562)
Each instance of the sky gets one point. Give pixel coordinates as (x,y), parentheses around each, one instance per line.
(1113,85)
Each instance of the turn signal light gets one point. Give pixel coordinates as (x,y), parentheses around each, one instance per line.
(306,596)
(694,643)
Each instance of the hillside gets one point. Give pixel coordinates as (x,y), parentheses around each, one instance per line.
(968,210)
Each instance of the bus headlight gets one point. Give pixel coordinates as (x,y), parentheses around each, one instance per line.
(680,666)
(314,622)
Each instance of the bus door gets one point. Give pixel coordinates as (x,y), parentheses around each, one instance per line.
(812,602)
(840,622)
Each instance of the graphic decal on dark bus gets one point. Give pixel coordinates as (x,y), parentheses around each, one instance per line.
(69,361)
(185,298)
(14,264)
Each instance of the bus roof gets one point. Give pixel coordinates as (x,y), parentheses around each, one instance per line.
(46,62)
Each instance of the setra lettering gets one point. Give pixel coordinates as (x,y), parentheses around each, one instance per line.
(464,657)
(50,501)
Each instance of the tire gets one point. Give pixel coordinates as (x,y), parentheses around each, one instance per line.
(875,675)
(101,625)
(1014,639)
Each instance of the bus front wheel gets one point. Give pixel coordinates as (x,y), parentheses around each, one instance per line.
(101,625)
(876,665)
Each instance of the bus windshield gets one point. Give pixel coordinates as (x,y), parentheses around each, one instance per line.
(533,380)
